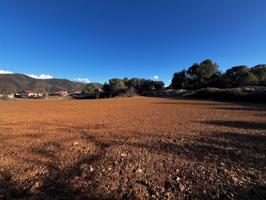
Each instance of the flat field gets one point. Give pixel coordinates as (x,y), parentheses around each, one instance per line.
(132,148)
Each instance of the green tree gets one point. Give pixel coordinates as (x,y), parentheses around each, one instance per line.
(135,83)
(88,90)
(179,80)
(247,79)
(215,81)
(199,73)
(231,75)
(126,81)
(260,72)
(147,85)
(117,84)
(106,87)
(158,85)
(237,70)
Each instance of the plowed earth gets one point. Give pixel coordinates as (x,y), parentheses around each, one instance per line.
(132,148)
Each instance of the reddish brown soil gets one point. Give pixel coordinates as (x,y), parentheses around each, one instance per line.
(132,148)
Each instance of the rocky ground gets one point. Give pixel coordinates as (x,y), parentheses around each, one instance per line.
(132,148)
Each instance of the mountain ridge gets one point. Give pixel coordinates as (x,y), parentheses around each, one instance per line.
(11,83)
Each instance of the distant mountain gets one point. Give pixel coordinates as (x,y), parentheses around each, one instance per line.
(12,83)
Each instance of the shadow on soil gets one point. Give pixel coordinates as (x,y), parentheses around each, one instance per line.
(219,104)
(239,124)
(69,182)
(239,109)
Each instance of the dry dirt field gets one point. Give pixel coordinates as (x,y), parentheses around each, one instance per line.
(132,148)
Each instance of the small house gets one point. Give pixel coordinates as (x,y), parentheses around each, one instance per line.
(29,94)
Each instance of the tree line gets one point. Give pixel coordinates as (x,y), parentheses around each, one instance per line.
(127,86)
(197,76)
(207,74)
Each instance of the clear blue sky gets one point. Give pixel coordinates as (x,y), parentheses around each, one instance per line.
(101,39)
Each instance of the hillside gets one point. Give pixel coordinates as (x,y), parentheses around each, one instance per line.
(16,82)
